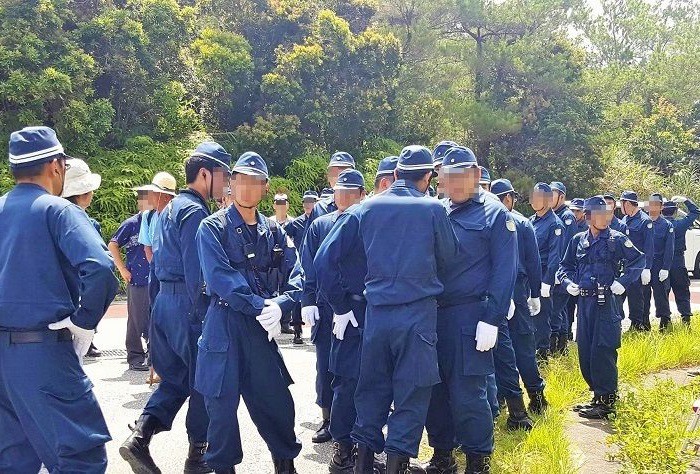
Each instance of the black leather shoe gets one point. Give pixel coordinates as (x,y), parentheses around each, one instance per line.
(517,415)
(478,464)
(343,460)
(135,448)
(442,462)
(286,329)
(602,410)
(194,464)
(93,351)
(323,435)
(297,335)
(284,466)
(139,367)
(537,401)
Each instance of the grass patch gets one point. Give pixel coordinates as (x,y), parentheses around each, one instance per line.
(546,448)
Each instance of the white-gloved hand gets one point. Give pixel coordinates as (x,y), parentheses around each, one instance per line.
(679,199)
(270,318)
(544,291)
(663,274)
(534,305)
(309,314)
(82,338)
(573,289)
(340,324)
(617,288)
(511,310)
(486,336)
(646,276)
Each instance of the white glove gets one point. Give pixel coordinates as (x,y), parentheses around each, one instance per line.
(679,199)
(82,338)
(486,336)
(511,310)
(534,305)
(617,288)
(270,318)
(646,276)
(340,323)
(544,291)
(309,314)
(573,289)
(663,274)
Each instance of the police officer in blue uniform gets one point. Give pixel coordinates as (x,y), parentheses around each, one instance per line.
(339,161)
(243,255)
(590,270)
(550,238)
(384,177)
(640,230)
(615,223)
(316,312)
(664,243)
(178,312)
(577,208)
(479,284)
(399,357)
(680,283)
(438,154)
(560,298)
(48,244)
(526,298)
(485,179)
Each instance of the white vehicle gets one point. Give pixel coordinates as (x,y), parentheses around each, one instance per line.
(692,253)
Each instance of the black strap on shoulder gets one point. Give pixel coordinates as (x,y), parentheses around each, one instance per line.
(149,216)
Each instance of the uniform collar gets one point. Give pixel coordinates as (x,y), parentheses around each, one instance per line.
(548,215)
(197,196)
(403,183)
(238,221)
(603,235)
(478,199)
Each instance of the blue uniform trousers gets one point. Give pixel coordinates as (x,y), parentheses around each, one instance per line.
(50,415)
(635,296)
(558,320)
(571,314)
(492,394)
(598,336)
(173,340)
(660,290)
(321,335)
(464,371)
(523,338)
(506,370)
(398,363)
(542,324)
(236,360)
(680,284)
(345,367)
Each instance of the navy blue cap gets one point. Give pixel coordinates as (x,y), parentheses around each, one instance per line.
(415,158)
(459,157)
(502,186)
(577,204)
(543,188)
(32,146)
(212,151)
(341,158)
(558,186)
(325,192)
(669,208)
(656,197)
(440,150)
(595,203)
(387,166)
(485,176)
(310,194)
(350,179)
(252,164)
(609,196)
(629,196)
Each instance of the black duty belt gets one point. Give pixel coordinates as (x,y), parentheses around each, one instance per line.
(591,292)
(35,337)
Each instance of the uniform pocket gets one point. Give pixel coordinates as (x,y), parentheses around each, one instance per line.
(474,362)
(211,366)
(76,417)
(610,330)
(425,353)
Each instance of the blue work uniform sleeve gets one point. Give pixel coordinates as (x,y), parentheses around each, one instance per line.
(568,268)
(503,248)
(685,223)
(308,252)
(84,249)
(668,247)
(190,256)
(221,278)
(648,245)
(634,262)
(332,253)
(532,260)
(446,242)
(293,286)
(555,241)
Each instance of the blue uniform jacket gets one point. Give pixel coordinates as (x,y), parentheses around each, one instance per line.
(317,231)
(570,228)
(582,226)
(322,207)
(617,225)
(243,283)
(590,261)
(550,239)
(296,230)
(408,242)
(640,230)
(341,264)
(528,253)
(681,226)
(54,263)
(664,242)
(486,263)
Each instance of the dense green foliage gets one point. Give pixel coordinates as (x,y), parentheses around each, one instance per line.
(541,90)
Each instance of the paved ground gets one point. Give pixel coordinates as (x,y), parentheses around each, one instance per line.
(123,393)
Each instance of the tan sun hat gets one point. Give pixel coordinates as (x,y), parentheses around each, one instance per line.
(162,183)
(79,180)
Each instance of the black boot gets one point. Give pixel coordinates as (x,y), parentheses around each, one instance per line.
(517,415)
(135,448)
(585,406)
(396,464)
(297,335)
(93,351)
(284,466)
(553,341)
(537,401)
(562,344)
(364,460)
(286,328)
(602,410)
(343,459)
(478,464)
(665,324)
(194,464)
(323,435)
(686,320)
(442,462)
(542,355)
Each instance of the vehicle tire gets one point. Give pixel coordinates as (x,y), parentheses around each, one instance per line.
(696,269)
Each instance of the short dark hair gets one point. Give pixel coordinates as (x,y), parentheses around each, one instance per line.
(73,199)
(504,195)
(194,164)
(28,172)
(413,176)
(379,178)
